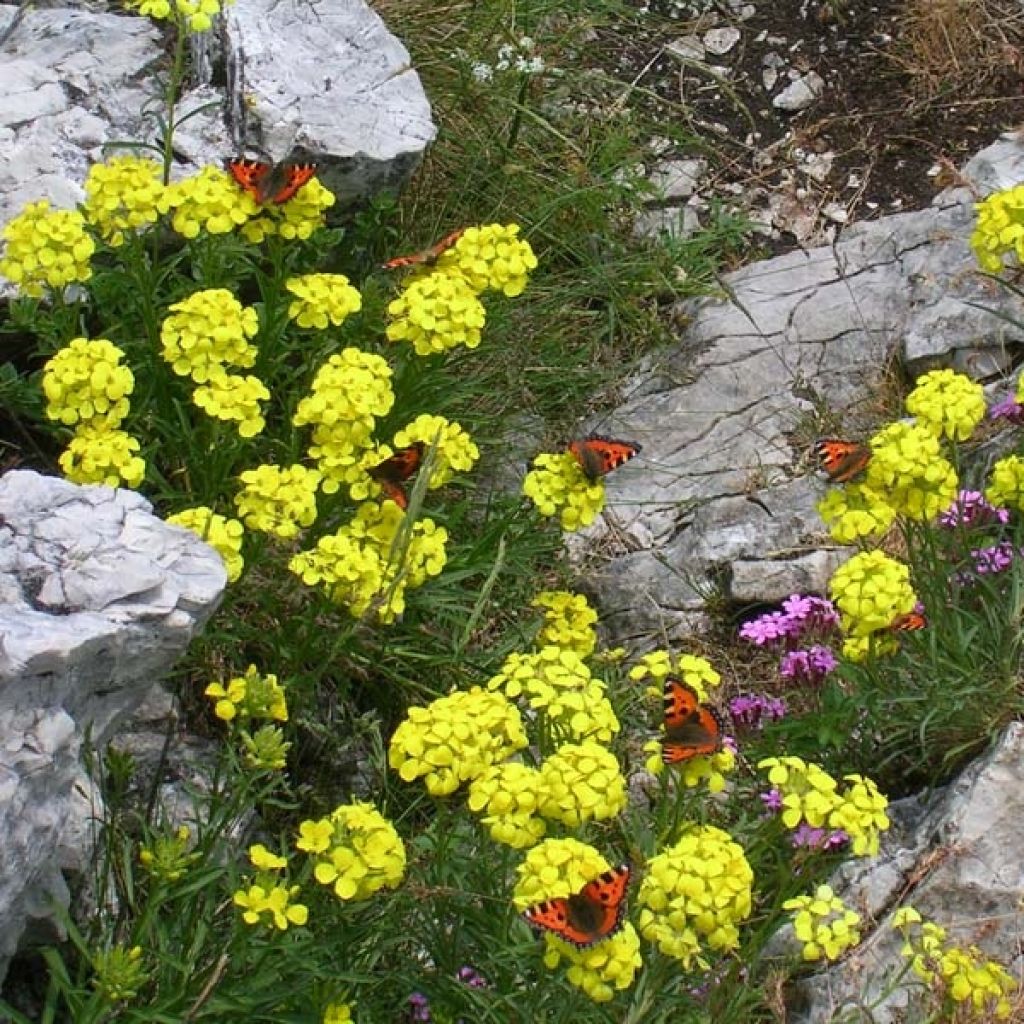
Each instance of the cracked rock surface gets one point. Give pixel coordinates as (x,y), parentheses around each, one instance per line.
(720,500)
(98,599)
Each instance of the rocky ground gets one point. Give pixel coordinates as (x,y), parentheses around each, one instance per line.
(815,113)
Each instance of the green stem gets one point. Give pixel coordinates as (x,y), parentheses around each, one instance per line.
(174,93)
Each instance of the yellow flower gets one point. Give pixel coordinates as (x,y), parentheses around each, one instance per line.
(46,249)
(364,852)
(824,924)
(697,672)
(569,622)
(124,194)
(455,738)
(696,891)
(360,567)
(506,796)
(209,201)
(453,449)
(280,500)
(249,696)
(100,456)
(196,15)
(948,403)
(1000,229)
(235,399)
(558,683)
(267,900)
(871,590)
(908,468)
(207,331)
(581,782)
(222,534)
(296,219)
(118,973)
(1006,484)
(854,511)
(337,1013)
(167,858)
(322,299)
(436,312)
(557,486)
(86,383)
(558,869)
(492,258)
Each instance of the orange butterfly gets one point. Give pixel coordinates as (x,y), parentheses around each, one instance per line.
(691,728)
(908,621)
(267,182)
(842,461)
(588,916)
(424,256)
(598,455)
(394,471)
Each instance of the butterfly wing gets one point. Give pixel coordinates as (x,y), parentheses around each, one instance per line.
(425,255)
(394,471)
(291,178)
(909,622)
(841,460)
(249,174)
(586,917)
(599,455)
(691,728)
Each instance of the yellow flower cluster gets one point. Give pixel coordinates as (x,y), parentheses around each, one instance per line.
(557,486)
(507,797)
(195,15)
(46,249)
(103,456)
(298,218)
(348,393)
(569,622)
(855,510)
(249,696)
(357,851)
(697,891)
(558,683)
(280,500)
(222,534)
(556,869)
(581,782)
(1000,229)
(235,399)
(908,467)
(948,403)
(360,568)
(337,1013)
(871,590)
(267,900)
(701,676)
(166,858)
(455,738)
(492,257)
(85,383)
(963,973)
(810,795)
(435,313)
(206,332)
(453,450)
(118,974)
(321,299)
(209,201)
(1006,483)
(824,924)
(123,194)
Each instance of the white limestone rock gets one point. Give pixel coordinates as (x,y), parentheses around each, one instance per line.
(98,599)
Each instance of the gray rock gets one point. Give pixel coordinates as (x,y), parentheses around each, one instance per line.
(957,860)
(677,179)
(799,95)
(98,599)
(673,221)
(721,40)
(789,336)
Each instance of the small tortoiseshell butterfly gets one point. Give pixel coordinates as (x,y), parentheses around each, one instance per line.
(841,461)
(588,916)
(394,471)
(424,256)
(598,455)
(691,728)
(908,622)
(267,182)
